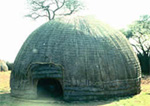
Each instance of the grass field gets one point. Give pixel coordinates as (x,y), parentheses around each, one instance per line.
(142,99)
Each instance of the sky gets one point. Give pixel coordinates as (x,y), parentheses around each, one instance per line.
(15,28)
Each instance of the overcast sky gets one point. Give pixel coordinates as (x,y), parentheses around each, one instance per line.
(14,28)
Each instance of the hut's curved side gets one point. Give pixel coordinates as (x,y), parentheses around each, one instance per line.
(3,66)
(95,60)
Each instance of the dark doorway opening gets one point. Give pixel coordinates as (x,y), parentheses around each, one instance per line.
(49,88)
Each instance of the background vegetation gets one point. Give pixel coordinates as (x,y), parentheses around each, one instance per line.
(138,34)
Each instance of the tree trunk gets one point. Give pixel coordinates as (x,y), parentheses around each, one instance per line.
(145,63)
(49,14)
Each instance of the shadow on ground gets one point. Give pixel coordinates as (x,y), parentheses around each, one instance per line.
(7,100)
(148,93)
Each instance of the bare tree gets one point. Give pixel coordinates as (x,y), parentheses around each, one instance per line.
(52,8)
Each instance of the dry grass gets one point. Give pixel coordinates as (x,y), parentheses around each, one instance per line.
(4,82)
(142,99)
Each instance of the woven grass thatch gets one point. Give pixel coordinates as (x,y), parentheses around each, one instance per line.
(3,66)
(88,58)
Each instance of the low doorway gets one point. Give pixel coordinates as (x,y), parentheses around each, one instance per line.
(49,88)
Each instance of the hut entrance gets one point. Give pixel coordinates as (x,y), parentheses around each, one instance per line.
(48,79)
(49,88)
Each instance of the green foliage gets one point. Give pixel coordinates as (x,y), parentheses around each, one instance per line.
(141,27)
(138,28)
(127,33)
(139,33)
(74,5)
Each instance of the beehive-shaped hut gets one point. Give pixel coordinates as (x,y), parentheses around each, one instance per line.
(3,66)
(78,58)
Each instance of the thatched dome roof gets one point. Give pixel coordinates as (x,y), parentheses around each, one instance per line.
(91,53)
(3,66)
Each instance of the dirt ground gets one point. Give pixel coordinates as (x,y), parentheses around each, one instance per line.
(145,79)
(142,99)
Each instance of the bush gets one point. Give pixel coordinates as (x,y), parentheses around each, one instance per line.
(10,65)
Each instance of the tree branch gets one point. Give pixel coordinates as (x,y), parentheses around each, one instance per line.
(148,49)
(35,17)
(41,4)
(142,48)
(71,11)
(49,14)
(58,7)
(136,49)
(57,3)
(144,41)
(47,7)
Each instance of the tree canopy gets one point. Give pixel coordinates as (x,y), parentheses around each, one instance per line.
(139,34)
(52,8)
